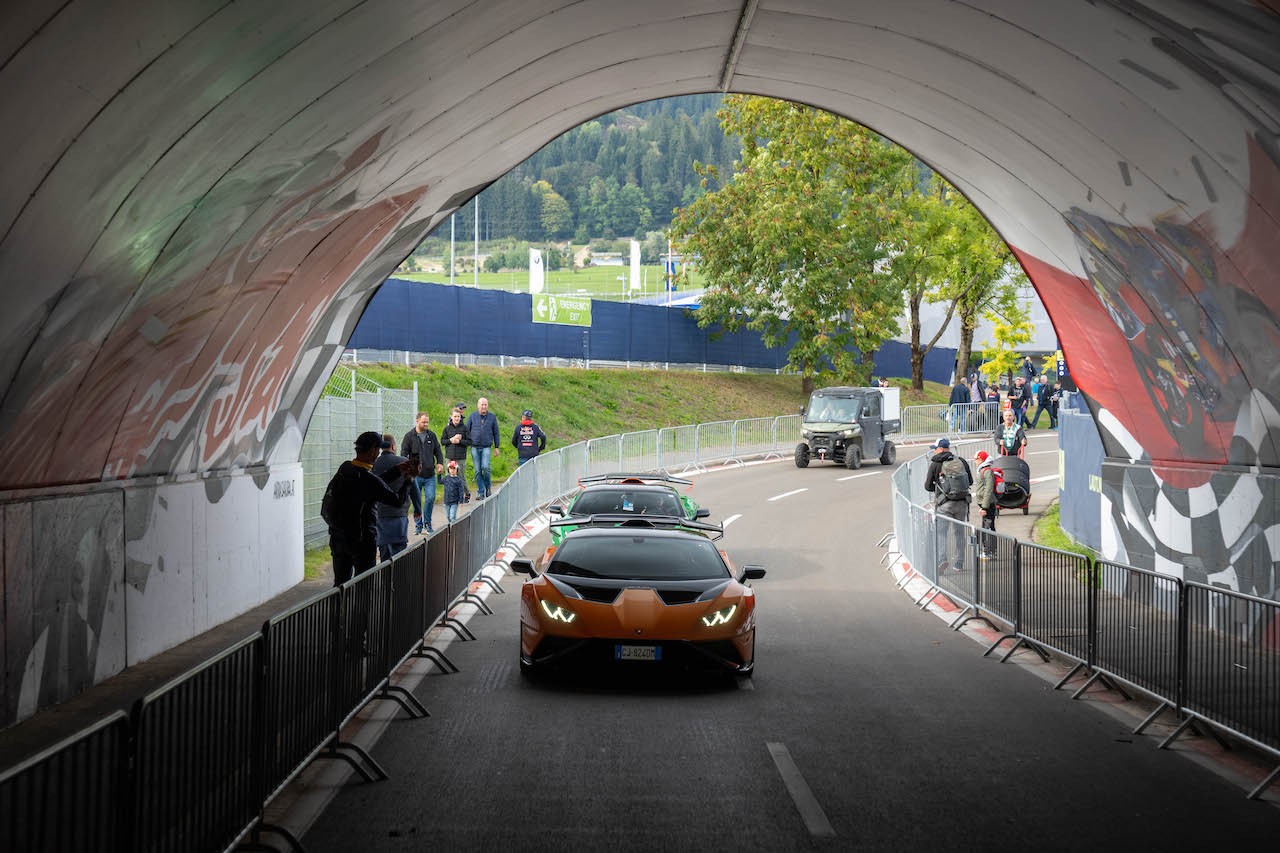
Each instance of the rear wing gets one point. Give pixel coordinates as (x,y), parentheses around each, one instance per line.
(630,519)
(618,477)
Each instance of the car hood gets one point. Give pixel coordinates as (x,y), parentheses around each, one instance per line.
(828,426)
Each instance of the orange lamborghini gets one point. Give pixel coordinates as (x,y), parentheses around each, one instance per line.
(651,592)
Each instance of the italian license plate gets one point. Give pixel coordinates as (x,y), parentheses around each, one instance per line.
(623,651)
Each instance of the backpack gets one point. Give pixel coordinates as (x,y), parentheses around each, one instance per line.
(953,480)
(340,507)
(997,480)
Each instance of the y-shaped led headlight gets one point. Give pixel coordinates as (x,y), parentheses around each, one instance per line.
(558,614)
(720,616)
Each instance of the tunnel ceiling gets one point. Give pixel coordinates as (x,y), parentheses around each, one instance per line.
(200,197)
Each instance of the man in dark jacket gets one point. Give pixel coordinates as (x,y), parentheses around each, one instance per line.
(348,506)
(529,440)
(392,521)
(1044,404)
(960,397)
(421,443)
(949,479)
(482,429)
(1021,397)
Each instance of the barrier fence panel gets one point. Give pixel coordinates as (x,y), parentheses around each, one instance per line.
(678,448)
(787,433)
(639,451)
(408,602)
(604,455)
(1137,627)
(1056,598)
(1233,661)
(73,796)
(715,442)
(929,421)
(439,558)
(958,553)
(197,748)
(998,577)
(364,656)
(754,437)
(301,666)
(924,538)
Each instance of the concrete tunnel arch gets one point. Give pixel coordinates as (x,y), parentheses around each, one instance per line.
(201,197)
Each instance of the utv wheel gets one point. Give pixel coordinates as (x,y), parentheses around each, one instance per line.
(802,456)
(853,457)
(889,454)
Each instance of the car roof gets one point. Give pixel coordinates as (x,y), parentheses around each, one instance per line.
(840,391)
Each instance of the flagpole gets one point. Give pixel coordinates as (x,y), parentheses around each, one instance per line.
(476,235)
(452,221)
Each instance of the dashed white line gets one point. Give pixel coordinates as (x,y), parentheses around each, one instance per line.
(730,520)
(806,803)
(1042,479)
(1041,452)
(856,476)
(787,494)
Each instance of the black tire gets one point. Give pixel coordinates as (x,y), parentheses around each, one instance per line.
(802,456)
(889,454)
(853,457)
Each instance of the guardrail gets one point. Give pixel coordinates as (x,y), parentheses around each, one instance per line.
(954,422)
(1209,655)
(194,764)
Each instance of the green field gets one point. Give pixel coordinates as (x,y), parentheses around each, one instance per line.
(596,282)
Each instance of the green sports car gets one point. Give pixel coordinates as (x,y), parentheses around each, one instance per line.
(638,494)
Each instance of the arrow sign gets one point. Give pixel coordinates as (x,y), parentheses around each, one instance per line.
(561,310)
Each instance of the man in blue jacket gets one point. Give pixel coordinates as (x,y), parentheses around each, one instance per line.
(482,429)
(529,440)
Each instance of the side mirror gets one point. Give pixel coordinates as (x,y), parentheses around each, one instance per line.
(556,509)
(524,566)
(752,573)
(802,410)
(702,513)
(866,411)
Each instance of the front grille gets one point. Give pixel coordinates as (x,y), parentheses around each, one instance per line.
(678,596)
(600,595)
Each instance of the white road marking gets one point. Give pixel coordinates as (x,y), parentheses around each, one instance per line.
(1041,452)
(730,520)
(806,803)
(856,476)
(787,494)
(1042,479)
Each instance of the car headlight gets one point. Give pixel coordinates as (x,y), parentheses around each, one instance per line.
(556,613)
(848,433)
(720,616)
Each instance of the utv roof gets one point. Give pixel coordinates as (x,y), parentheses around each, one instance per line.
(841,391)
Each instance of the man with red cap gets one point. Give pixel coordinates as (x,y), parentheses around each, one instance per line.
(985,496)
(528,439)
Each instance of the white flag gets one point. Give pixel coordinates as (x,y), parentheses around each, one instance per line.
(535,271)
(635,265)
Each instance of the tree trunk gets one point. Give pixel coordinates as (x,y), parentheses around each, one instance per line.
(965,353)
(917,353)
(806,386)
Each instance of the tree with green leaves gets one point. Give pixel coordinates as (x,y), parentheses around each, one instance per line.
(1009,330)
(790,245)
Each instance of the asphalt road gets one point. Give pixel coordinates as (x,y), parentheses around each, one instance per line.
(900,731)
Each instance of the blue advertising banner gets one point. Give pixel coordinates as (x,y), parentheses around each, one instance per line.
(1080,477)
(423,317)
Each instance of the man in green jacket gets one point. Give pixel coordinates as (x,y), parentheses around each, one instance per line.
(984,495)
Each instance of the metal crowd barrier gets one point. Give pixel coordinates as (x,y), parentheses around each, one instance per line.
(958,421)
(1209,655)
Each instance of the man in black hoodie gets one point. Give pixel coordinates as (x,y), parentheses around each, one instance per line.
(950,479)
(348,506)
(961,396)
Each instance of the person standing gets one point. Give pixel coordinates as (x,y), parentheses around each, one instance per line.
(528,439)
(984,495)
(392,522)
(949,479)
(1028,368)
(1021,397)
(421,443)
(1044,404)
(1055,399)
(482,429)
(455,439)
(348,506)
(1010,439)
(454,490)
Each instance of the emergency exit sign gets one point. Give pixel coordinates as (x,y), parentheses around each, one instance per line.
(563,310)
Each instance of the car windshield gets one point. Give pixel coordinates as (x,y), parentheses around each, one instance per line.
(639,557)
(833,409)
(627,500)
